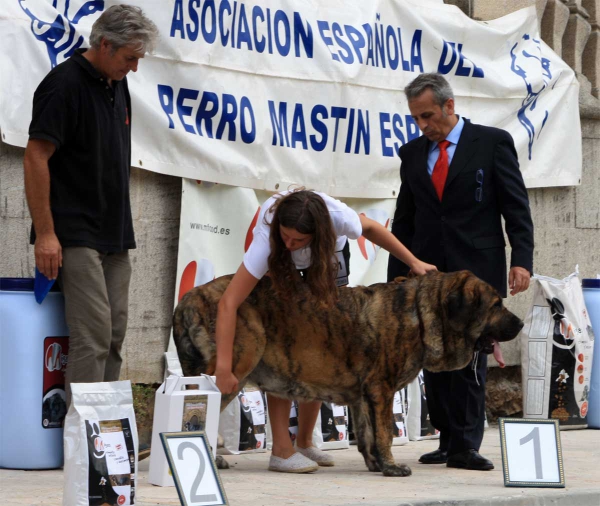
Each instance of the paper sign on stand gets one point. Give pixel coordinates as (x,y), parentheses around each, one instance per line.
(177,409)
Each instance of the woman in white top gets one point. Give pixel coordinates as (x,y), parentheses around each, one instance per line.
(297,235)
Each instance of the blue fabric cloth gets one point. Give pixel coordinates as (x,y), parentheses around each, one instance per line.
(41,286)
(453,138)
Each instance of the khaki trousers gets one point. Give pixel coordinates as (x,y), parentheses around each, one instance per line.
(96,290)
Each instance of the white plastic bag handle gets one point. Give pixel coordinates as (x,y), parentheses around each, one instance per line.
(182,381)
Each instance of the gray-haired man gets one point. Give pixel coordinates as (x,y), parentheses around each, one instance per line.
(77,164)
(458,181)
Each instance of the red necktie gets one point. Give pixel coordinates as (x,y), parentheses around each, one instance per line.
(440,169)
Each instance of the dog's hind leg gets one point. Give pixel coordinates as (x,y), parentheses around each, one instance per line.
(364,435)
(379,403)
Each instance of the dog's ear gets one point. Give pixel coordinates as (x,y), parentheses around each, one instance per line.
(399,279)
(455,303)
(461,297)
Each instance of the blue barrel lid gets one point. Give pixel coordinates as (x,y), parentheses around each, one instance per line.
(590,283)
(16,284)
(21,285)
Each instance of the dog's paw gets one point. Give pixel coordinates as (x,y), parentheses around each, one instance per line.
(374,467)
(396,470)
(221,462)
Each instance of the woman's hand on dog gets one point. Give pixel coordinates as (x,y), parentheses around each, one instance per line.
(419,268)
(226,382)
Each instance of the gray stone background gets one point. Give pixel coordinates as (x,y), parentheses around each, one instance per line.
(566,219)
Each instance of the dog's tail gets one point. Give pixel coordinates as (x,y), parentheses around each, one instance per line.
(193,362)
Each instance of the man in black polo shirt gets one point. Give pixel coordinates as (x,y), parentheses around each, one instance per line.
(77,165)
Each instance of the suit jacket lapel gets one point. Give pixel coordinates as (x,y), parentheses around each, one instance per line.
(464,151)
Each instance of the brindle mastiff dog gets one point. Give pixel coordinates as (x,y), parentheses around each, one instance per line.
(358,353)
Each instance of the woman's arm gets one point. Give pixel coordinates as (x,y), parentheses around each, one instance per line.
(378,234)
(238,290)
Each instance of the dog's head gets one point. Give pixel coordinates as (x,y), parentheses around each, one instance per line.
(470,317)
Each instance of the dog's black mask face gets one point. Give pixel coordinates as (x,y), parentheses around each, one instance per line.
(503,327)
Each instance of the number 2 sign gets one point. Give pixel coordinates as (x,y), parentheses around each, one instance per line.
(531,453)
(193,467)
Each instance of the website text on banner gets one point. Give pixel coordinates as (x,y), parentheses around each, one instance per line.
(260,96)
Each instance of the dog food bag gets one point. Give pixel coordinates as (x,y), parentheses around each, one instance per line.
(419,426)
(243,422)
(399,411)
(101,441)
(331,429)
(557,345)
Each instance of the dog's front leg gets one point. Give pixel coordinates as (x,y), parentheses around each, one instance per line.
(363,431)
(380,403)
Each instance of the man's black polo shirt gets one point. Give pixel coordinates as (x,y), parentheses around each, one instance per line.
(89,122)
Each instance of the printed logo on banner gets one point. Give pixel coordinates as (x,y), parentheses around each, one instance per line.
(195,274)
(250,233)
(367,248)
(59,34)
(526,62)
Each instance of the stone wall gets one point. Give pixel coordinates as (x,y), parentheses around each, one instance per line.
(567,220)
(156,201)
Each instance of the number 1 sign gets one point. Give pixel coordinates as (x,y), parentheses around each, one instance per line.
(531,453)
(193,467)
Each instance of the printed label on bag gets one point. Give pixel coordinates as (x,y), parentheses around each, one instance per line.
(399,411)
(54,399)
(111,462)
(252,420)
(194,413)
(334,425)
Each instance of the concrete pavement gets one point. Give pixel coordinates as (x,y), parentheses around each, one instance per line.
(349,483)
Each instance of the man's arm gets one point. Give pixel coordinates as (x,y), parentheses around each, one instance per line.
(48,251)
(514,206)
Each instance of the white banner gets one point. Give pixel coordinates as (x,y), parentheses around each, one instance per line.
(263,95)
(216,230)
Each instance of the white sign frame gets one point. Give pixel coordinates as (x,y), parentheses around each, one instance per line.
(531,453)
(190,473)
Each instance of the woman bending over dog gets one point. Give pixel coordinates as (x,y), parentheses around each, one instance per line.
(304,235)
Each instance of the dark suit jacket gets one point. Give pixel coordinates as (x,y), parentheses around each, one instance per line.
(461,232)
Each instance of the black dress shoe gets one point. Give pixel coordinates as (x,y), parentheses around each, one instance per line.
(469,459)
(435,457)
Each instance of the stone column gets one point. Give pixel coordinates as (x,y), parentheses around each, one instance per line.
(591,53)
(554,23)
(576,35)
(486,9)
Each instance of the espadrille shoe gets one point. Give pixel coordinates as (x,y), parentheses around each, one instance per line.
(297,463)
(316,455)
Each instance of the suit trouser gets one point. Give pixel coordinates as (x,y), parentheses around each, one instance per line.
(456,406)
(96,290)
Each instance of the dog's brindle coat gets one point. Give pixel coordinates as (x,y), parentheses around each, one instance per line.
(358,353)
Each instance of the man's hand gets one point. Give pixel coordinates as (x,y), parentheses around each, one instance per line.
(518,280)
(48,254)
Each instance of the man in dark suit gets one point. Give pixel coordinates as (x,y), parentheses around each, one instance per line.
(458,180)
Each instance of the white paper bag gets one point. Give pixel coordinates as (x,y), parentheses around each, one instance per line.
(400,410)
(101,445)
(179,408)
(556,352)
(419,426)
(331,429)
(243,422)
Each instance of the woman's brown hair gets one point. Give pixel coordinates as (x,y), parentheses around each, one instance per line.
(306,212)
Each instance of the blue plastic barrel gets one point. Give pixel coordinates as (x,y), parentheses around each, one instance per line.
(33,357)
(591,294)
